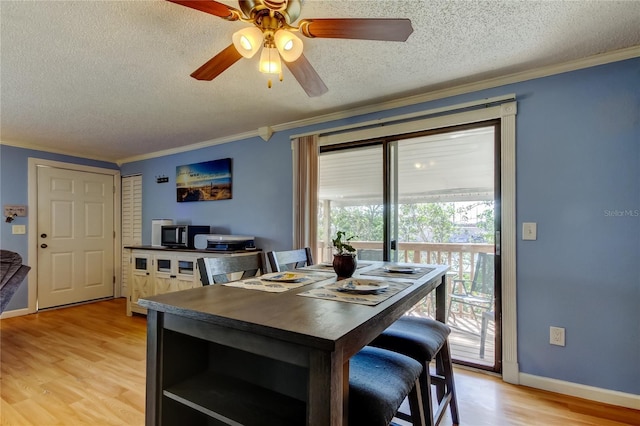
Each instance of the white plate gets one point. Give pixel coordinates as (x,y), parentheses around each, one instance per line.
(284,277)
(400,269)
(362,286)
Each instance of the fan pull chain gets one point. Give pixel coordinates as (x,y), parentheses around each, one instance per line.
(280,77)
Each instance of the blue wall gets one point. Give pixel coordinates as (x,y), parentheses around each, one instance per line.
(14,190)
(578,162)
(578,177)
(262,186)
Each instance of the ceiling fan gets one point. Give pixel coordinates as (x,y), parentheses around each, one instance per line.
(274,30)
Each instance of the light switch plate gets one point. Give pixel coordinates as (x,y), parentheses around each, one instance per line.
(529,231)
(18,229)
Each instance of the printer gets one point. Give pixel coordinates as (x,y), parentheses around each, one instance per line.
(220,242)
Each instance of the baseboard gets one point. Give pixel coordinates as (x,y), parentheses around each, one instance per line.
(15,313)
(591,393)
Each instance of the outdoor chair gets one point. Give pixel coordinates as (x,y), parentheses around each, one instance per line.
(486,317)
(477,294)
(280,261)
(12,273)
(370,254)
(217,270)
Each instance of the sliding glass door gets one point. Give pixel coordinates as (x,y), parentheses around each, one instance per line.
(351,198)
(427,197)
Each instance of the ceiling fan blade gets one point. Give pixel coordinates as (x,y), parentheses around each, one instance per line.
(363,29)
(212,7)
(307,76)
(216,65)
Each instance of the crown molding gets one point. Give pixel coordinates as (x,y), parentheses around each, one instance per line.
(192,147)
(36,147)
(591,61)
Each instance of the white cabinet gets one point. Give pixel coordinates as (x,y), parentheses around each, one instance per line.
(157,271)
(174,273)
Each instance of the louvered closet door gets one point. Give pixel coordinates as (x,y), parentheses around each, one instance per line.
(131,223)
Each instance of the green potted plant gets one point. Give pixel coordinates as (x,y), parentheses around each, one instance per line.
(344,258)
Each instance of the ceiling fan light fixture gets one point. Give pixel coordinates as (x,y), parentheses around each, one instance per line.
(270,61)
(247,41)
(288,44)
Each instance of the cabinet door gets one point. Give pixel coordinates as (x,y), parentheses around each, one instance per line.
(164,273)
(141,279)
(186,272)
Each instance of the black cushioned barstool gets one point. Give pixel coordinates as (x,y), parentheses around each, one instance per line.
(424,339)
(379,380)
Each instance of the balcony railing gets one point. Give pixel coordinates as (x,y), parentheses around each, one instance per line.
(461,257)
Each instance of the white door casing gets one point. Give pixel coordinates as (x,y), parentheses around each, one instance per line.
(89,272)
(505,108)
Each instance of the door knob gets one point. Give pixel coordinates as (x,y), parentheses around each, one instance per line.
(43,235)
(43,246)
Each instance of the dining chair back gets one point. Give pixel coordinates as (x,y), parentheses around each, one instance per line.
(216,270)
(291,259)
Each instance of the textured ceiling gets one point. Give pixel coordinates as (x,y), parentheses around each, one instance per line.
(110,79)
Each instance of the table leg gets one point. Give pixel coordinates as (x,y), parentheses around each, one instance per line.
(441,300)
(441,315)
(155,324)
(327,393)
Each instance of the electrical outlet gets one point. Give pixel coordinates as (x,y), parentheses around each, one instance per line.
(556,336)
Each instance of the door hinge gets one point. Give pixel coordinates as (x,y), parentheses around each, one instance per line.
(114,279)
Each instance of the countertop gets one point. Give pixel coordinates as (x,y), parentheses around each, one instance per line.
(188,250)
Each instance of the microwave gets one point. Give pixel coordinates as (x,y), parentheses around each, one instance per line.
(181,236)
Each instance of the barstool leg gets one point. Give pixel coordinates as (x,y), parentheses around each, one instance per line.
(450,383)
(427,404)
(415,405)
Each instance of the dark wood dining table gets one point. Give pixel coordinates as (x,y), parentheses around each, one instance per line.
(242,356)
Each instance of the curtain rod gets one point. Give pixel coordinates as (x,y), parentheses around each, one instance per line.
(420,114)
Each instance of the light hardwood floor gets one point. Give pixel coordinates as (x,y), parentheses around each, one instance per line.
(86,365)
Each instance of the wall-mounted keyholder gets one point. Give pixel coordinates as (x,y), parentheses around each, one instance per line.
(11,211)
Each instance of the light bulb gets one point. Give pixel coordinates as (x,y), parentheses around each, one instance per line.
(245,43)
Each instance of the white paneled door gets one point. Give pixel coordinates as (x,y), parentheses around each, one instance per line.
(75,236)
